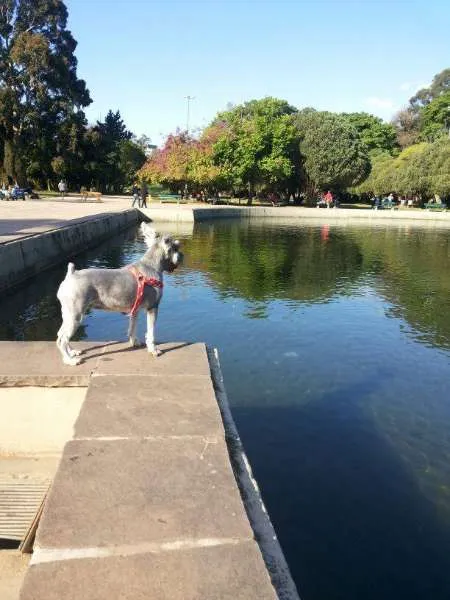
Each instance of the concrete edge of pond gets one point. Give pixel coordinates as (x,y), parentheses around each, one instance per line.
(31,254)
(190,213)
(257,513)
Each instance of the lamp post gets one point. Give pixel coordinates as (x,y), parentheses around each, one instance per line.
(188,98)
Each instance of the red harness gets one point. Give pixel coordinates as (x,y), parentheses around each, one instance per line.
(142,281)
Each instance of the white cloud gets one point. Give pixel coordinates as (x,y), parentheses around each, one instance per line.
(413,86)
(379,103)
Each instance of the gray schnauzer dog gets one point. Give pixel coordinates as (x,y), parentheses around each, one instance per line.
(127,290)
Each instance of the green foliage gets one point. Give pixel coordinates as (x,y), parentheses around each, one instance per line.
(435,118)
(131,159)
(334,155)
(111,171)
(377,135)
(258,145)
(381,178)
(39,87)
(428,170)
(43,130)
(422,169)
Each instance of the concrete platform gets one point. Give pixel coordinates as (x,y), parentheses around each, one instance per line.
(139,492)
(145,502)
(117,407)
(227,572)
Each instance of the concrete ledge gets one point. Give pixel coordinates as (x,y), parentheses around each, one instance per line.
(178,359)
(225,572)
(30,255)
(190,213)
(40,364)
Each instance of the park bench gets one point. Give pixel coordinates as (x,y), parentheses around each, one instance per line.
(435,206)
(171,198)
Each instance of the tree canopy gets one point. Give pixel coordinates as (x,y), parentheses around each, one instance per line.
(421,169)
(39,87)
(435,118)
(333,151)
(377,135)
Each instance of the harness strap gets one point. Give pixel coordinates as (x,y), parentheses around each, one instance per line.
(142,281)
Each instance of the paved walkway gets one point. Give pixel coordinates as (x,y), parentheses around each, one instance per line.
(19,219)
(144,503)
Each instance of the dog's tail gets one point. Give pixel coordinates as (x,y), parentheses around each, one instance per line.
(70,269)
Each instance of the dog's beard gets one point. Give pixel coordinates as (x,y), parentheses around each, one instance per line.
(174,261)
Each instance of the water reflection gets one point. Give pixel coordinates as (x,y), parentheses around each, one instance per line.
(334,343)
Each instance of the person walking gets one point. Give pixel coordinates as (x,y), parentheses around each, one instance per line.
(135,194)
(144,194)
(329,199)
(62,187)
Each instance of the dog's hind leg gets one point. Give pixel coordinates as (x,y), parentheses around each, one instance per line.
(70,324)
(71,351)
(152,315)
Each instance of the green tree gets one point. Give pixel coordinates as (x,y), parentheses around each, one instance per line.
(39,88)
(108,137)
(377,135)
(421,170)
(428,170)
(258,147)
(334,156)
(381,180)
(131,159)
(435,118)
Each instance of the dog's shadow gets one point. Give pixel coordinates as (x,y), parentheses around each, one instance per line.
(90,353)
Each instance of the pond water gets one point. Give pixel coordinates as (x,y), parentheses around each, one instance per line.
(335,347)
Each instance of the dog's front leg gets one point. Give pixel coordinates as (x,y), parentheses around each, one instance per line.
(152,314)
(132,340)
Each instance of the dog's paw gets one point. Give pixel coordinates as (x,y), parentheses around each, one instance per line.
(74,353)
(135,343)
(154,352)
(72,361)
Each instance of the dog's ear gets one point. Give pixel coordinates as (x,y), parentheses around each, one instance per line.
(149,234)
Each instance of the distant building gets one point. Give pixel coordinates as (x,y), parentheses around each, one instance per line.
(150,149)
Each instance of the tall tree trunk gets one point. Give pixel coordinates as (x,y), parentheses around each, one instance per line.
(12,163)
(8,161)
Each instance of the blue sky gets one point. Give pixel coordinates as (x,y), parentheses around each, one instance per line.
(143,57)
